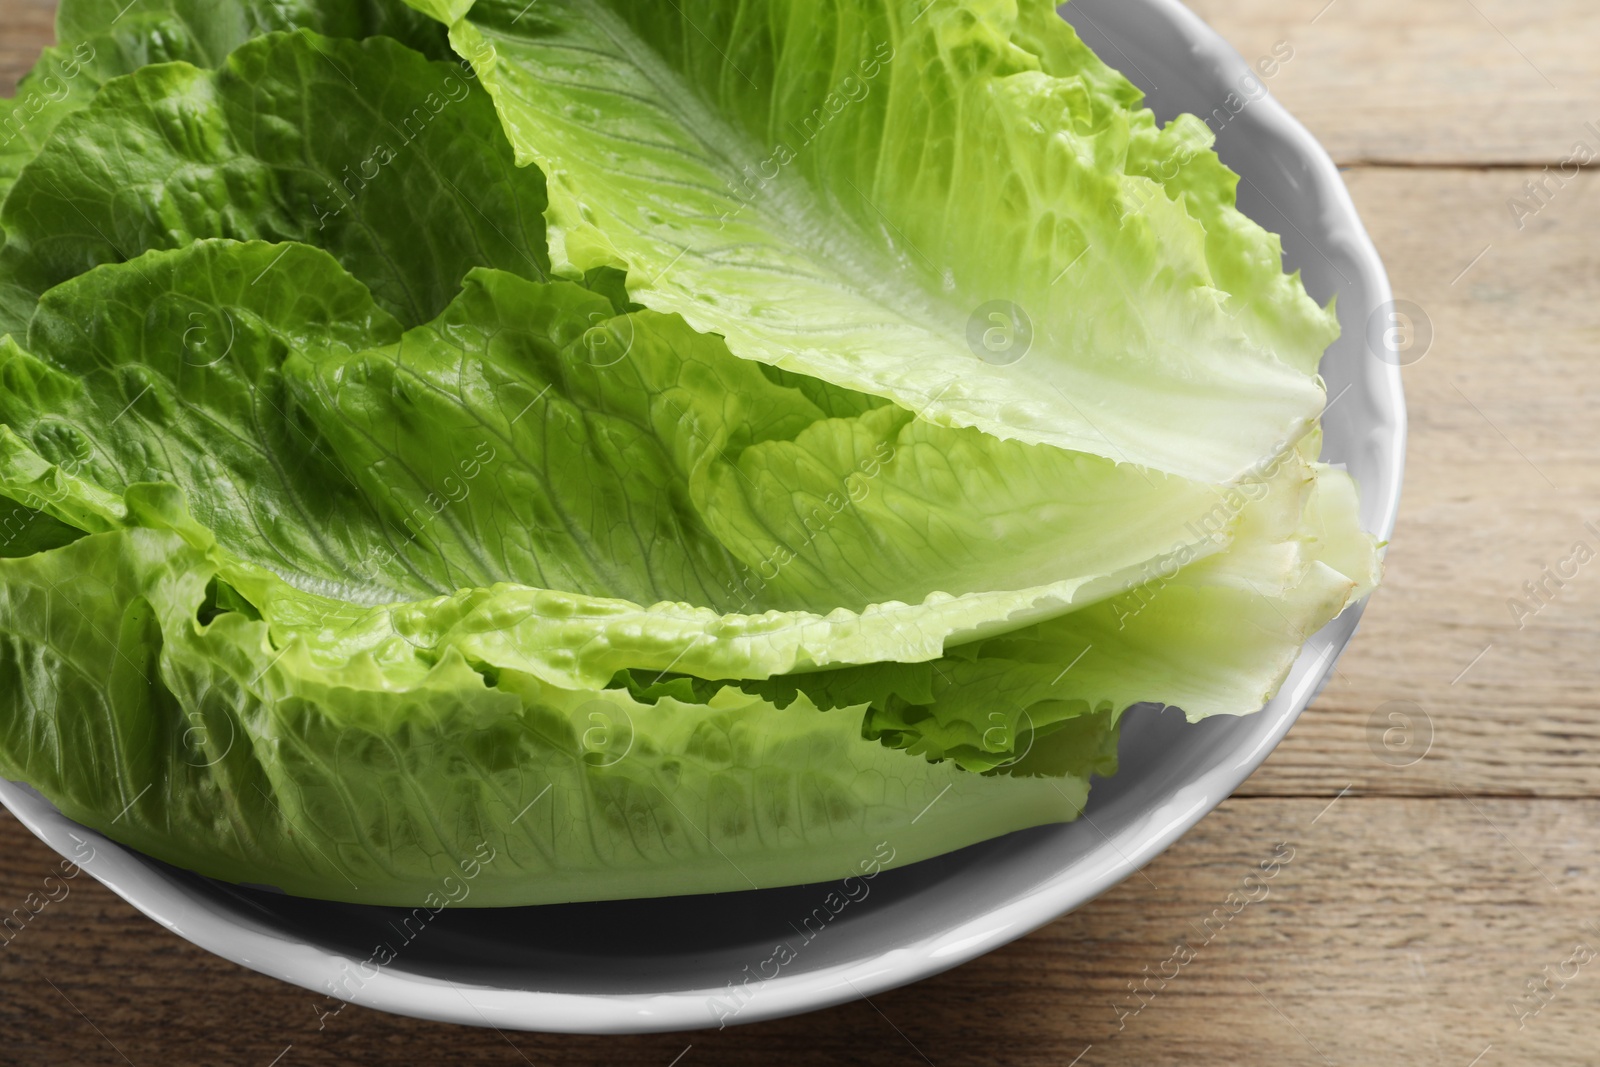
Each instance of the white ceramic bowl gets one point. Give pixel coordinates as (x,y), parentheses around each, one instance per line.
(665,964)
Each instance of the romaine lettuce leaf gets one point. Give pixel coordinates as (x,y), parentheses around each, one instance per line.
(206,746)
(395,165)
(1215,636)
(98,40)
(616,528)
(869,191)
(25,531)
(248,757)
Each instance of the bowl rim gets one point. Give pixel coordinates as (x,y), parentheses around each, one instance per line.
(152,891)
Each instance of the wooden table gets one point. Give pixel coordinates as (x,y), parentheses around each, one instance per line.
(1422,900)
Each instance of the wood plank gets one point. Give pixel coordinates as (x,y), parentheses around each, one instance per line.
(1393,931)
(25,27)
(1503,401)
(1429,81)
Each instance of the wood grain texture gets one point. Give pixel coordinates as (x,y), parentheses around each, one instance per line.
(1458,860)
(1462,82)
(1504,400)
(25,27)
(1393,931)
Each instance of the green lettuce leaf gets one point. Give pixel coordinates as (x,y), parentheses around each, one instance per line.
(213,750)
(615,528)
(98,40)
(249,758)
(394,164)
(25,531)
(904,196)
(1211,636)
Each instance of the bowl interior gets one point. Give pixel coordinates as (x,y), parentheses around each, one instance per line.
(667,963)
